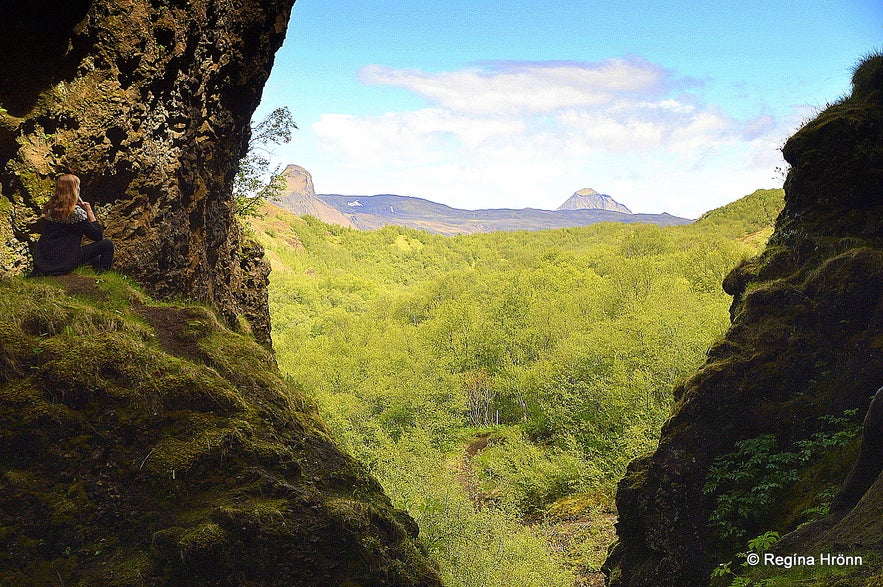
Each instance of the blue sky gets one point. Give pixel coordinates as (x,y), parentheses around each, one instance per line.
(666,106)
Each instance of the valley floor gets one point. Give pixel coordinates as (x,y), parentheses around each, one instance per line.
(497,385)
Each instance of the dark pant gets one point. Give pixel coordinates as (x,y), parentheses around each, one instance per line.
(99,255)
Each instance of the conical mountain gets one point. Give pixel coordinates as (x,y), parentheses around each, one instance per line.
(589,199)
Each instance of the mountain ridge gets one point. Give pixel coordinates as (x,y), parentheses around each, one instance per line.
(364,212)
(372,212)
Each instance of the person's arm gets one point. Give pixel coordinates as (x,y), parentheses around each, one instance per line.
(92,228)
(88,208)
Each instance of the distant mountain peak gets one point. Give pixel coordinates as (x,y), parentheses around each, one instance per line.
(589,199)
(364,212)
(300,197)
(586,192)
(299,181)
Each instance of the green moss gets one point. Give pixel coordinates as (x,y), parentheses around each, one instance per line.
(134,569)
(236,355)
(173,457)
(810,497)
(867,79)
(254,511)
(138,450)
(864,575)
(204,537)
(585,529)
(31,406)
(18,478)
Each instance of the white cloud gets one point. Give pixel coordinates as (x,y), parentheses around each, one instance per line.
(409,138)
(518,134)
(526,87)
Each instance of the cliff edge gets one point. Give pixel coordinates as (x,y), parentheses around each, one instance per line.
(146,444)
(805,350)
(300,198)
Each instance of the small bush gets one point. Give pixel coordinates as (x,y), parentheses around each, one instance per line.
(525,477)
(748,481)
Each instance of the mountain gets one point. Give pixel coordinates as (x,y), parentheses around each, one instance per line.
(589,199)
(766,436)
(300,198)
(373,212)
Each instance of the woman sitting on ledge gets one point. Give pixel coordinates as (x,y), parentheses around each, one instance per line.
(66,219)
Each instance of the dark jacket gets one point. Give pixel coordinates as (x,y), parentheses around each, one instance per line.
(58,250)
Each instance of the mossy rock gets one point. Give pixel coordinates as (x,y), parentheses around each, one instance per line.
(147,444)
(805,342)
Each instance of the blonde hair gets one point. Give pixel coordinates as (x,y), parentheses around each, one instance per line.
(62,203)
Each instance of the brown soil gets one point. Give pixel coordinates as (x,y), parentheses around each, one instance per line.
(80,285)
(169,324)
(466,476)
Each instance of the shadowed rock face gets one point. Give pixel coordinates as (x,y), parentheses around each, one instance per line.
(806,341)
(149,102)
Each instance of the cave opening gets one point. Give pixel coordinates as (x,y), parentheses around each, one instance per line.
(35,49)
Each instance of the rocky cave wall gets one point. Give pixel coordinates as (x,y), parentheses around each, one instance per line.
(149,102)
(806,341)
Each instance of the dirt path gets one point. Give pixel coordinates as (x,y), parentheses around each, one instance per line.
(466,475)
(169,323)
(581,536)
